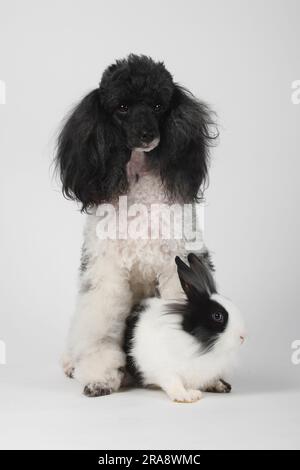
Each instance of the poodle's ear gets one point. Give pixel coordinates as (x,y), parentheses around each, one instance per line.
(86,144)
(184,150)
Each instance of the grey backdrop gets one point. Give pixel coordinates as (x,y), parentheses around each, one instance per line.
(241,57)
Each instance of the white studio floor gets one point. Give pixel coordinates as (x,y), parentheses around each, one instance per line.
(45,410)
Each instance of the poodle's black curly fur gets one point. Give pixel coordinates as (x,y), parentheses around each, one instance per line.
(137,101)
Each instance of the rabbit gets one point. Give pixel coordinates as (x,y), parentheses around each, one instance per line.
(184,347)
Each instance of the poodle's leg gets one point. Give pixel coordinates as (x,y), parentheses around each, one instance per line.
(168,283)
(175,390)
(96,334)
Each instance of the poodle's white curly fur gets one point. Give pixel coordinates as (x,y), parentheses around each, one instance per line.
(116,275)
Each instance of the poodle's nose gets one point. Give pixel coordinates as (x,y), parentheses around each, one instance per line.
(146,136)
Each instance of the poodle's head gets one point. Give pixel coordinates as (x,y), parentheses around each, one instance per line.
(137,106)
(136,93)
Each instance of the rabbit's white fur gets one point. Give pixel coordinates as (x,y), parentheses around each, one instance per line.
(172,359)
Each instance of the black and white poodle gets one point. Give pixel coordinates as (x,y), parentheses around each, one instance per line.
(136,144)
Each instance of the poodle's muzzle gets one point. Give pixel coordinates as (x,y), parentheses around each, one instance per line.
(142,128)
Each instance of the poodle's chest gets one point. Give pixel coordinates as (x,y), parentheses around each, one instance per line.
(145,187)
(140,228)
(137,229)
(144,218)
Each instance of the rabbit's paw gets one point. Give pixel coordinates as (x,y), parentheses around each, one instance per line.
(186,396)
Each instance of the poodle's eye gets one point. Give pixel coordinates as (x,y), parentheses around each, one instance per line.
(157,107)
(123,108)
(218,317)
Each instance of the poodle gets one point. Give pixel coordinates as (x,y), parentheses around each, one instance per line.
(133,147)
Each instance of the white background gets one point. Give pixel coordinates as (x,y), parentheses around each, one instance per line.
(241,57)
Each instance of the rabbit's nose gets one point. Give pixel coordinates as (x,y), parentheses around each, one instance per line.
(242,338)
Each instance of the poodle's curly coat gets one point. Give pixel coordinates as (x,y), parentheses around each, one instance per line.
(142,136)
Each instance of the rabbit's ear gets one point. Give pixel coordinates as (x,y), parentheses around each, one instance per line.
(190,282)
(204,276)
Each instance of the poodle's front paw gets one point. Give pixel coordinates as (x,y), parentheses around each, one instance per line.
(69,372)
(105,385)
(186,396)
(68,367)
(96,390)
(108,384)
(100,374)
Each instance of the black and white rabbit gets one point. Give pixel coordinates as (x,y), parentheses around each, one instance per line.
(186,346)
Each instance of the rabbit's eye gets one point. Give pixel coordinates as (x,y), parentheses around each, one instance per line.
(157,107)
(218,317)
(123,108)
